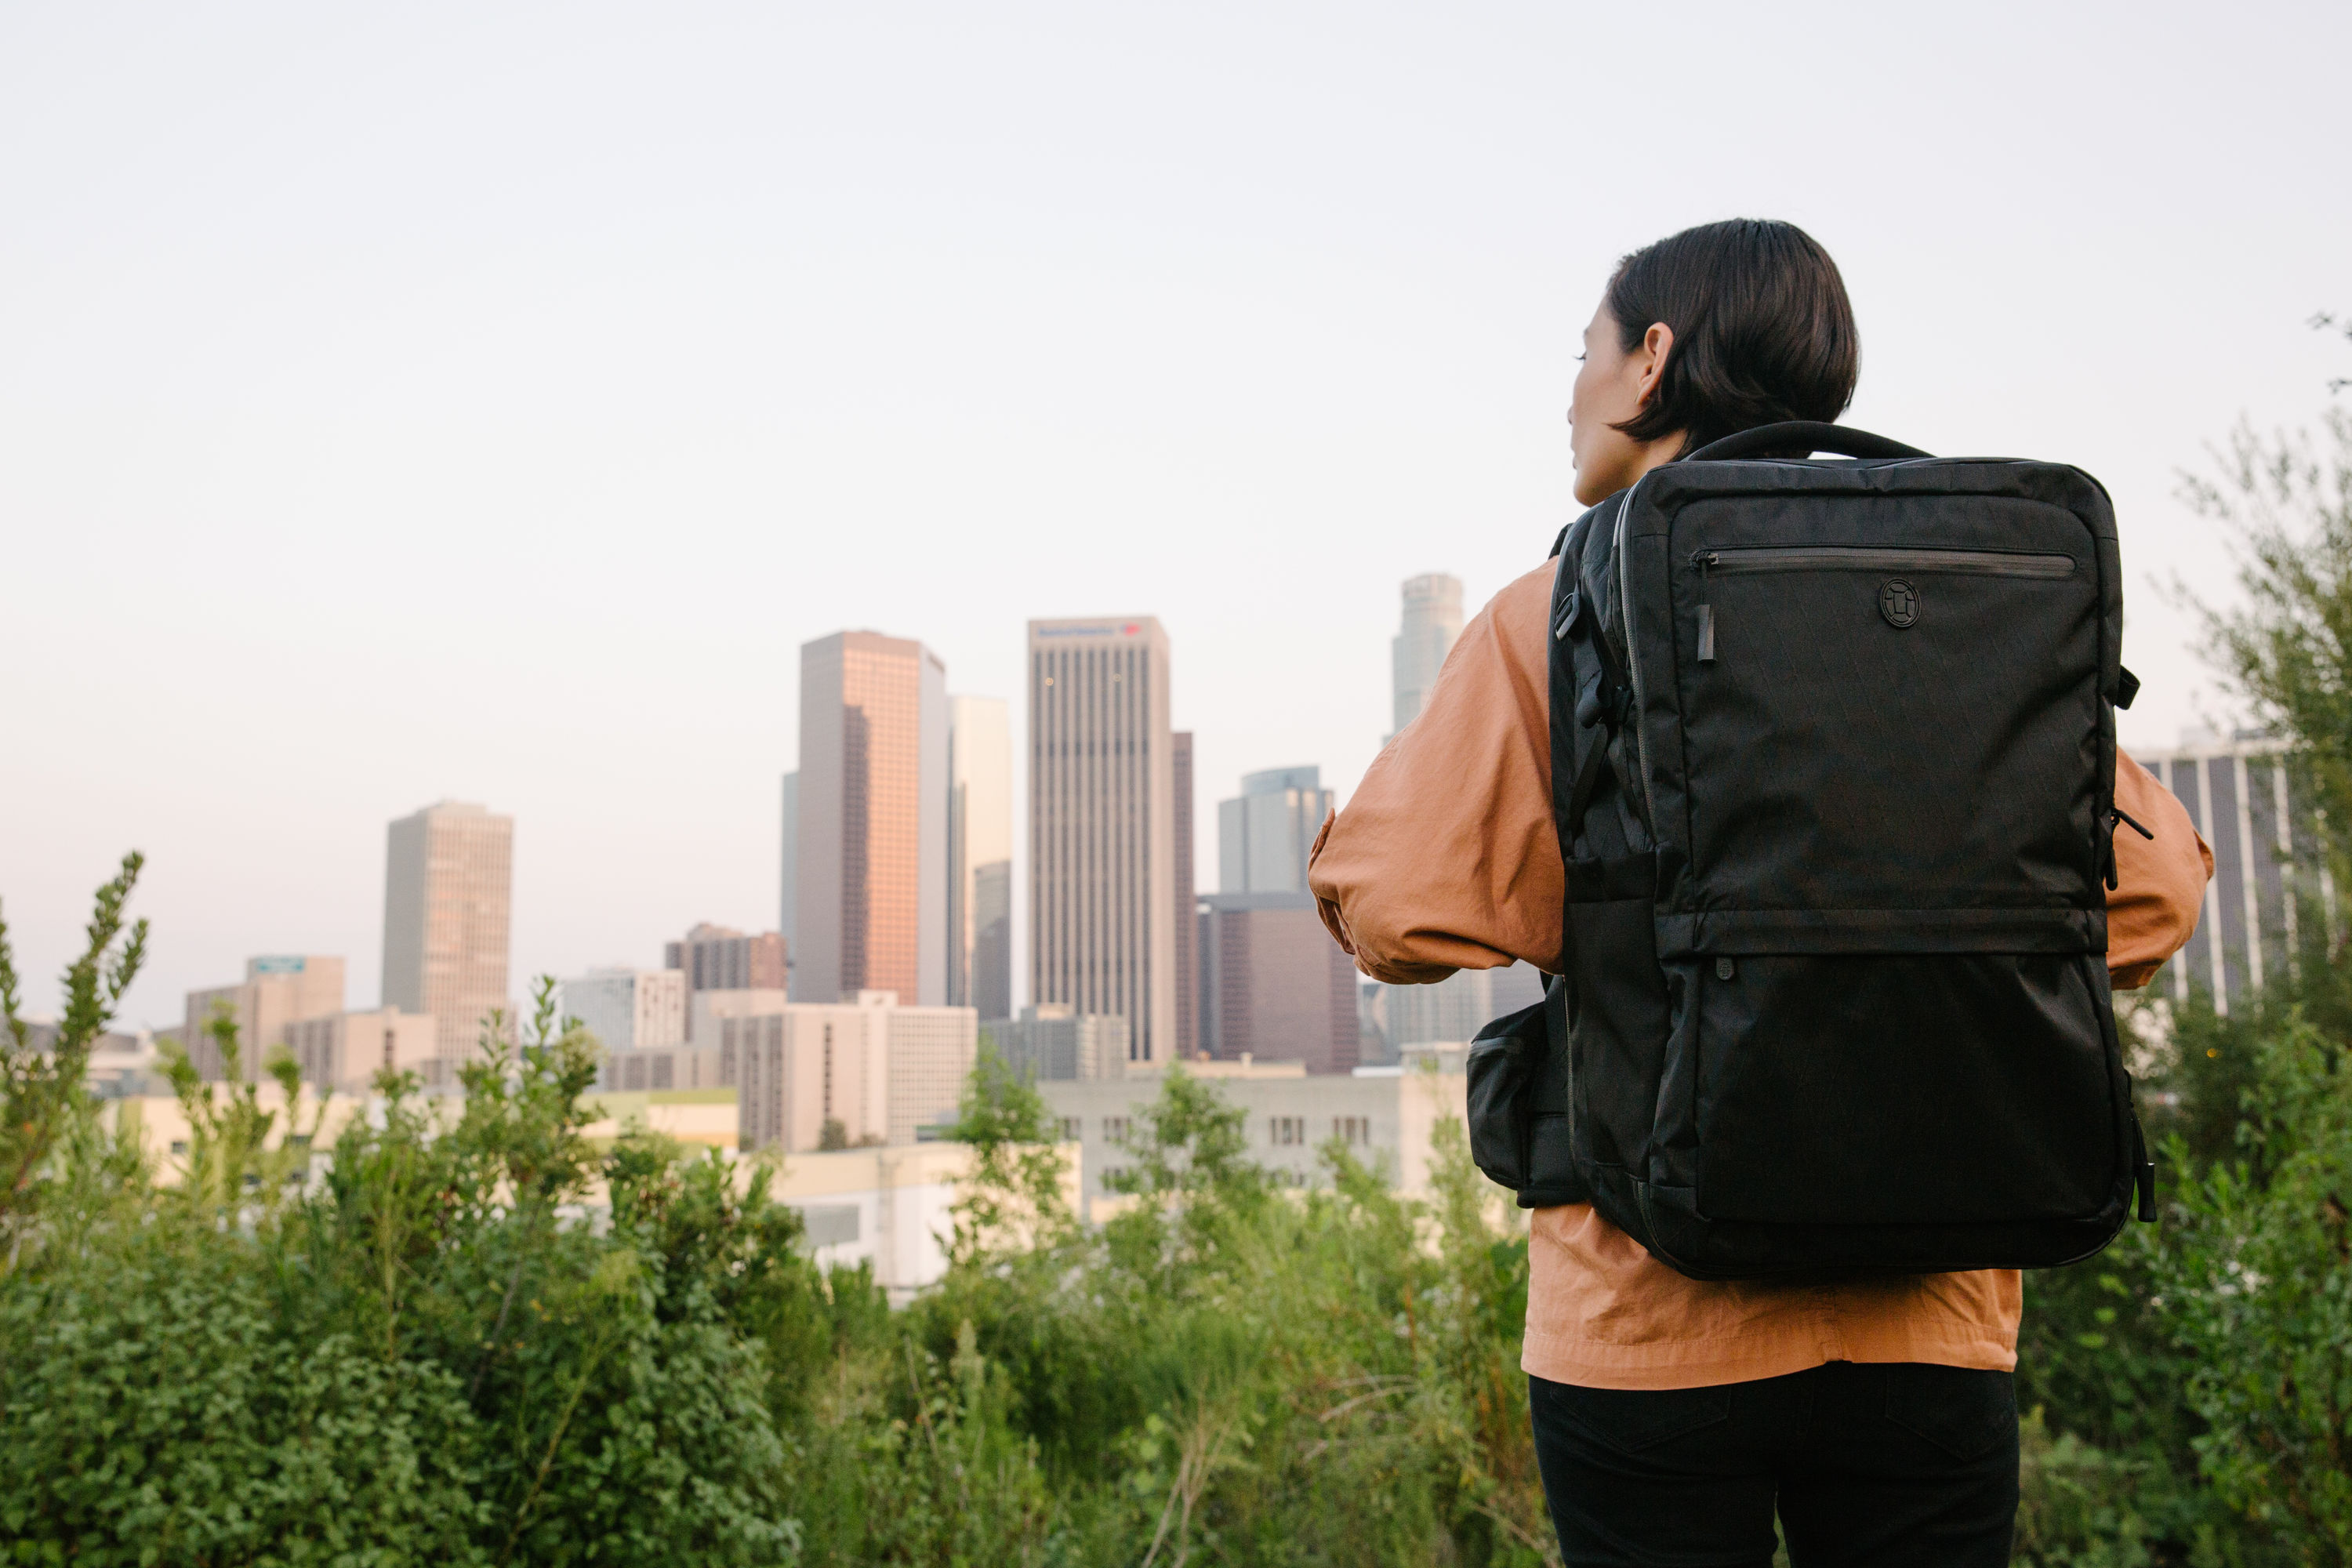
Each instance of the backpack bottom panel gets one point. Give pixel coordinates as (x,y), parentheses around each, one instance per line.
(1945,1090)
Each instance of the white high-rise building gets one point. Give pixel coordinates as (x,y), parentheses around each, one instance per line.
(448,890)
(629,1009)
(1433,619)
(980,854)
(870,873)
(1262,838)
(2268,873)
(1102,907)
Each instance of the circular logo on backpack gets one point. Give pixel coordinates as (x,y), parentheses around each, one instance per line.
(1899,602)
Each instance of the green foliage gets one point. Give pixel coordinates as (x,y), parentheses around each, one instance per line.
(1015,1199)
(2287,651)
(43,1109)
(467,1336)
(2260,1275)
(427,1353)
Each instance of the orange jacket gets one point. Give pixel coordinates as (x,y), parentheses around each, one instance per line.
(1446,859)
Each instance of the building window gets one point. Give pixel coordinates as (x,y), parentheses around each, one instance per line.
(1070,1129)
(1287,1132)
(1113,1129)
(1111,1174)
(1352,1131)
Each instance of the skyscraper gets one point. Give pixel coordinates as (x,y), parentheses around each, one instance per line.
(1433,619)
(1102,904)
(1264,835)
(1188,923)
(721,958)
(1277,987)
(871,872)
(980,854)
(448,888)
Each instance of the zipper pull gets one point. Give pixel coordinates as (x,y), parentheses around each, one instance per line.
(1703,560)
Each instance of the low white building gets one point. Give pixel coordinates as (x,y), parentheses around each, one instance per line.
(1384,1116)
(892,1207)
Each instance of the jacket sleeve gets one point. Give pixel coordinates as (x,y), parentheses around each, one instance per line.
(1446,859)
(2159,882)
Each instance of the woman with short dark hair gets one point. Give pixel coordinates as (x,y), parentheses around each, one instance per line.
(1675,1416)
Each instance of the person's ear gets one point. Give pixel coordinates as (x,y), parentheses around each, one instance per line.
(1650,361)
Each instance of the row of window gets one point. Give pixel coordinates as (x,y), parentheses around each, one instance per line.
(1281,1176)
(1281,1131)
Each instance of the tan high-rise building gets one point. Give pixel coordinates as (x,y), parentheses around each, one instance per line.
(1102,821)
(277,990)
(871,872)
(980,854)
(448,890)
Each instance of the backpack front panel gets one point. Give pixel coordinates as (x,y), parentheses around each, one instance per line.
(1878,721)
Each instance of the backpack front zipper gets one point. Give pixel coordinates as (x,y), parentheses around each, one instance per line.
(1874,558)
(1740,558)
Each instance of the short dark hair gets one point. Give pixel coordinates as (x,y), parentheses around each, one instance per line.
(1763,331)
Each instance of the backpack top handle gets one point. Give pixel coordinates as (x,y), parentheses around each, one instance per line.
(1803,438)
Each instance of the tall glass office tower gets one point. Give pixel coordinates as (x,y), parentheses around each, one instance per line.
(1102,822)
(871,872)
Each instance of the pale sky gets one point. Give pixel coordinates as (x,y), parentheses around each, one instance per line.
(486,402)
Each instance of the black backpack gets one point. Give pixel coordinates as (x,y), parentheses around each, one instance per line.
(1832,769)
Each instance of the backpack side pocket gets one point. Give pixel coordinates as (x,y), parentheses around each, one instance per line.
(1504,1064)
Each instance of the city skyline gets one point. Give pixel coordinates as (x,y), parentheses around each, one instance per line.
(2231,786)
(515,458)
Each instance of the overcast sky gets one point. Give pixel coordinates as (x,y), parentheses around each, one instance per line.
(486,402)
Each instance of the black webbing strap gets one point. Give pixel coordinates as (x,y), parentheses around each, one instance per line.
(1588,779)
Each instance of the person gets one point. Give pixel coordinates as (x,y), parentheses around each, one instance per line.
(1673,1417)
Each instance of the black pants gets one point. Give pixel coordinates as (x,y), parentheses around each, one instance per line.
(1881,1464)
